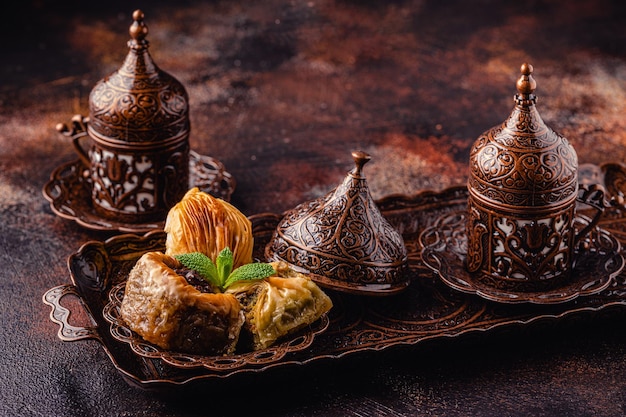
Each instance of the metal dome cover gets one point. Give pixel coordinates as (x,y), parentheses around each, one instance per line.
(523,162)
(138,102)
(343,241)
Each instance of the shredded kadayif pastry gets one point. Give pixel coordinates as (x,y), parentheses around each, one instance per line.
(203,223)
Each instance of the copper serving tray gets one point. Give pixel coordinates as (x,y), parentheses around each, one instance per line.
(427,310)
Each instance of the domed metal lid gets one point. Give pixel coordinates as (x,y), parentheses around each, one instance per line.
(138,102)
(523,163)
(343,240)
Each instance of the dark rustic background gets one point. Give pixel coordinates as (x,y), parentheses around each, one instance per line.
(281,92)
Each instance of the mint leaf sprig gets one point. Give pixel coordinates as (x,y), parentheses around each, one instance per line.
(221,273)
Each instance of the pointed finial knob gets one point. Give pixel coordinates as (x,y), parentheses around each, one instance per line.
(526,86)
(138,30)
(526,83)
(360,159)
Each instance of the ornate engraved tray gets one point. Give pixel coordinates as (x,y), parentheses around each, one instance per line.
(68,192)
(427,310)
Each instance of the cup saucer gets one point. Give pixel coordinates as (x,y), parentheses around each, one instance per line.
(68,192)
(444,251)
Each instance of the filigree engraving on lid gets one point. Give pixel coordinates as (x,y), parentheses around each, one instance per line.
(139,102)
(343,239)
(523,162)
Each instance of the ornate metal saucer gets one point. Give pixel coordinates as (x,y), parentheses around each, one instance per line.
(69,192)
(445,252)
(120,331)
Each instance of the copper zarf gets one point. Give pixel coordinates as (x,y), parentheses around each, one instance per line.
(523,187)
(139,125)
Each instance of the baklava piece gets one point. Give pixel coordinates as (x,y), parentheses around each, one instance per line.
(279,305)
(164,308)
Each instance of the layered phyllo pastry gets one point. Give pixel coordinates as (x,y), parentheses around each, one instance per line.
(174,308)
(204,295)
(278,305)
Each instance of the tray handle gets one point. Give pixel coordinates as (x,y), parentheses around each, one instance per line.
(60,315)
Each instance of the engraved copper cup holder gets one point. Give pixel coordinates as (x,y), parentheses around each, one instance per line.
(523,234)
(343,241)
(139,128)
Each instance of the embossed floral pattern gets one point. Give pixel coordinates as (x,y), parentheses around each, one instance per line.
(139,122)
(343,239)
(507,161)
(523,187)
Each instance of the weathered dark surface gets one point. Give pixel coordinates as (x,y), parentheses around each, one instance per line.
(282,92)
